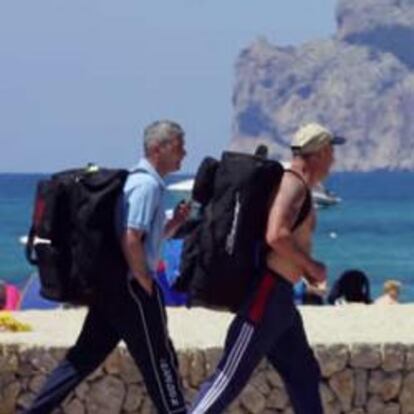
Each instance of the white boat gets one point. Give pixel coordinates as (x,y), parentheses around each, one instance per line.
(184,185)
(324,197)
(321,196)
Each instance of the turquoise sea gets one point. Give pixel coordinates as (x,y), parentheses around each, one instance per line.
(372,229)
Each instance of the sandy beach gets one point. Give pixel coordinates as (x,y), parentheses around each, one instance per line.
(200,328)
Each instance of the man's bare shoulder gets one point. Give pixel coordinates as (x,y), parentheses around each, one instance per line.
(287,202)
(292,190)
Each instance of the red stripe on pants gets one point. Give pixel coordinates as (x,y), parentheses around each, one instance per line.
(259,302)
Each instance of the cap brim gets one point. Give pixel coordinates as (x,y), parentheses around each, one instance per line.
(338,140)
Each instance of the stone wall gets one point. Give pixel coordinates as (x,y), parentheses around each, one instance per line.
(358,378)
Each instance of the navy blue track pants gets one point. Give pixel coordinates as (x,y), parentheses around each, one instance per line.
(268,325)
(138,319)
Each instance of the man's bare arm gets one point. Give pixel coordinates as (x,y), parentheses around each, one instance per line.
(282,217)
(133,248)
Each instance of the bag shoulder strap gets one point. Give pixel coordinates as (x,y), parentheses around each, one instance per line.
(307,202)
(296,174)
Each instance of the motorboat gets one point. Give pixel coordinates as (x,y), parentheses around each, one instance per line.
(323,197)
(185,186)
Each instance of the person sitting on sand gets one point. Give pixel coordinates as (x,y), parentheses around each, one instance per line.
(391,293)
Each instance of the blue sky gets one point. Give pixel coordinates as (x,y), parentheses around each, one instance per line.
(80,79)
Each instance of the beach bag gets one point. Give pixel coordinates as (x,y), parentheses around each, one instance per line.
(72,239)
(222,257)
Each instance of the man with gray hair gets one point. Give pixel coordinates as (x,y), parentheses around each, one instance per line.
(130,304)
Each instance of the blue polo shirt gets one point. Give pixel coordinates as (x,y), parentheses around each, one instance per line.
(142,207)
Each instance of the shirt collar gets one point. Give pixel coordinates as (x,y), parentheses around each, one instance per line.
(144,164)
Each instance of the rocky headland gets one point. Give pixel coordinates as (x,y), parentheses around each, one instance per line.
(359,82)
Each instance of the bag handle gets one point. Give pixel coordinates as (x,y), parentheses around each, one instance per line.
(262,151)
(29,249)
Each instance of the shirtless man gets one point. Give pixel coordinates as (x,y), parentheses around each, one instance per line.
(268,323)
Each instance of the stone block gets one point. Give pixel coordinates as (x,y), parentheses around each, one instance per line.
(259,381)
(331,359)
(128,370)
(43,361)
(105,396)
(409,357)
(112,364)
(252,400)
(81,391)
(36,383)
(375,405)
(274,378)
(387,385)
(277,399)
(392,408)
(332,407)
(361,387)
(365,356)
(134,398)
(184,364)
(393,358)
(25,400)
(235,407)
(97,374)
(147,407)
(343,385)
(197,372)
(212,357)
(75,406)
(9,362)
(407,394)
(8,397)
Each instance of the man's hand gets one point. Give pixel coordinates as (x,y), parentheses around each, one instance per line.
(316,272)
(318,288)
(146,283)
(133,249)
(181,212)
(180,215)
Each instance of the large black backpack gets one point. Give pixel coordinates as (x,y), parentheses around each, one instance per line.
(72,238)
(223,254)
